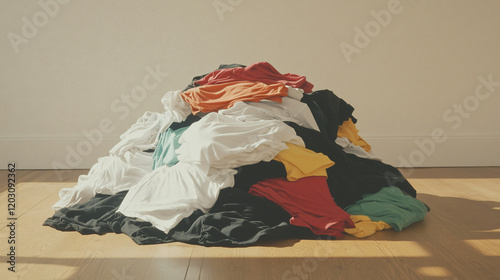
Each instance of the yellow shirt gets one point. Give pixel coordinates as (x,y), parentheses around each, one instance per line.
(348,129)
(365,226)
(300,162)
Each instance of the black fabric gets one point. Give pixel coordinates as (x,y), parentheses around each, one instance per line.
(237,219)
(91,217)
(240,219)
(187,122)
(318,115)
(333,111)
(222,66)
(250,174)
(351,176)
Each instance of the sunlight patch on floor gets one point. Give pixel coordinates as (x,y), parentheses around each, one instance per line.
(434,271)
(487,247)
(334,249)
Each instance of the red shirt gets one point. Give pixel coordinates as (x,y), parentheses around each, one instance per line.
(309,202)
(259,71)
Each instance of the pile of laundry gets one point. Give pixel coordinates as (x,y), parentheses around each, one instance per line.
(241,155)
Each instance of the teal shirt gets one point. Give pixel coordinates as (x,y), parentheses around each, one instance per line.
(168,142)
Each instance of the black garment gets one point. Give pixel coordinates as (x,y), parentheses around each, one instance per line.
(351,176)
(318,115)
(92,217)
(240,219)
(222,66)
(237,219)
(250,174)
(329,111)
(187,122)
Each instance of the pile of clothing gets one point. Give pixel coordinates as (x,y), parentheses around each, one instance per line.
(241,155)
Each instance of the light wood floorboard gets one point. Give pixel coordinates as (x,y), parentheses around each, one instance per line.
(459,239)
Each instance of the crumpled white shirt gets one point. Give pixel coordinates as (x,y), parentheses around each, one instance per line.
(168,194)
(143,135)
(288,110)
(126,163)
(220,141)
(110,175)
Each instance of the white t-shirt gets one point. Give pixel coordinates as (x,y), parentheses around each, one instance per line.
(110,175)
(168,194)
(221,141)
(288,110)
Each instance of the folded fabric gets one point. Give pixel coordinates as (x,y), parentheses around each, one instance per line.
(259,71)
(212,98)
(308,201)
(390,205)
(348,129)
(365,227)
(301,162)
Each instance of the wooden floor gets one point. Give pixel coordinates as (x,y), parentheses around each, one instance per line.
(459,239)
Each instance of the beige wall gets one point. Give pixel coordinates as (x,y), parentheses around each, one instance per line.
(407,67)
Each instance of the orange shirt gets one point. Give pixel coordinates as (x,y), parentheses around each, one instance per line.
(212,98)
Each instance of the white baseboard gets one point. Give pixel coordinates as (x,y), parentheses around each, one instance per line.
(424,152)
(80,153)
(61,153)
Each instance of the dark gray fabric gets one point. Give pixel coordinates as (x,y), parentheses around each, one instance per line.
(237,219)
(351,176)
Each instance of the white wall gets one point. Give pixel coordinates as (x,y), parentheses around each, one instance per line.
(66,65)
